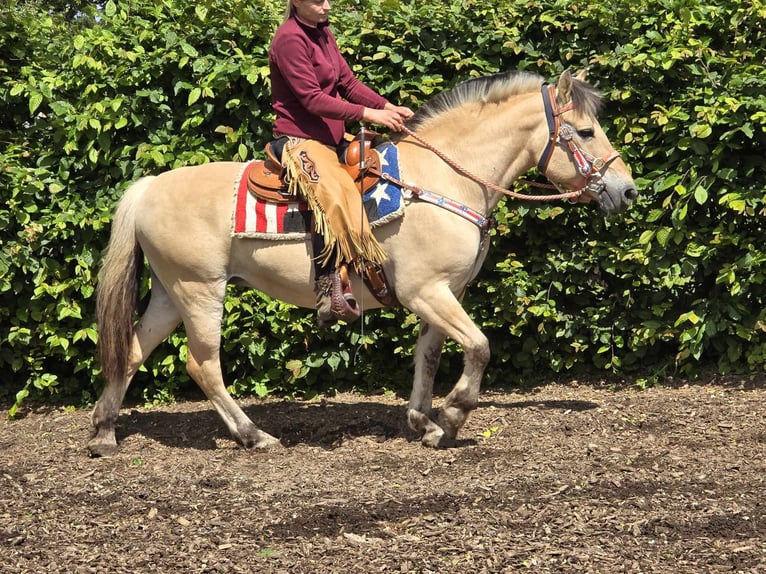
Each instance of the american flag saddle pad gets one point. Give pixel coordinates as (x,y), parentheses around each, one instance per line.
(254,217)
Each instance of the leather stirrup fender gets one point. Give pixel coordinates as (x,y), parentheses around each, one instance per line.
(377,282)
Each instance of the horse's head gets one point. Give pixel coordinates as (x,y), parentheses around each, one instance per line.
(578,154)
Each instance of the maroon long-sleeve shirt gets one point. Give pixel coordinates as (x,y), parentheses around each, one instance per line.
(313,90)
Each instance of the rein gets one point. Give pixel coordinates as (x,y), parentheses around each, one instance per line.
(487,184)
(589,167)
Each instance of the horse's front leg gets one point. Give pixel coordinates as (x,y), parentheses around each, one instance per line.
(427,357)
(465,394)
(444,315)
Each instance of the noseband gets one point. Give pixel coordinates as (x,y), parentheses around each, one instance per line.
(560,133)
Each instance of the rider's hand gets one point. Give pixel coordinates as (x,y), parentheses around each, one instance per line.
(392,117)
(403,111)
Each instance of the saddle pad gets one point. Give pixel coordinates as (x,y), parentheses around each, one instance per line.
(265,220)
(260,219)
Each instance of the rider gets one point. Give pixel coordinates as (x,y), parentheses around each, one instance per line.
(313,93)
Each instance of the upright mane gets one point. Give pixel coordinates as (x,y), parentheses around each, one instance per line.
(496,88)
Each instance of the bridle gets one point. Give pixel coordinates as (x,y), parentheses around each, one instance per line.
(589,167)
(560,133)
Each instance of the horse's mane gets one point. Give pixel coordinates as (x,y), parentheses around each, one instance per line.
(497,88)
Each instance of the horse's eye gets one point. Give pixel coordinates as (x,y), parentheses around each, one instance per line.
(586,133)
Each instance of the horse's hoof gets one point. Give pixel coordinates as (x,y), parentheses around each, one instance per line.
(101,448)
(260,440)
(451,419)
(434,438)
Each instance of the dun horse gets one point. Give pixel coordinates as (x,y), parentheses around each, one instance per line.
(464,146)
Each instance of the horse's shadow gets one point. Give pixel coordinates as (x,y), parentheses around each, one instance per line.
(562,405)
(324,424)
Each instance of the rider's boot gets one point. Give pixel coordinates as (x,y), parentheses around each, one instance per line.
(335,300)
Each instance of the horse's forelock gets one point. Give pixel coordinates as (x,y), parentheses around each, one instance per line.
(586,98)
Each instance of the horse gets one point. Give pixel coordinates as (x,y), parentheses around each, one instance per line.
(467,144)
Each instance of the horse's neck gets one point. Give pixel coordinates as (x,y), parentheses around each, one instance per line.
(492,141)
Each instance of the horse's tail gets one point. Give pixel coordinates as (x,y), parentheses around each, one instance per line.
(117,292)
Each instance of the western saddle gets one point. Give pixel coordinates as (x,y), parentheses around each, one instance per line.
(266,177)
(265,180)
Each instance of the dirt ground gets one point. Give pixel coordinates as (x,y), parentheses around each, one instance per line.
(561,478)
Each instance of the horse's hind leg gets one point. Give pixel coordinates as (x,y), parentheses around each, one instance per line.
(202,319)
(159,320)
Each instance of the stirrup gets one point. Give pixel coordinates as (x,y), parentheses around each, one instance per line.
(345,284)
(335,300)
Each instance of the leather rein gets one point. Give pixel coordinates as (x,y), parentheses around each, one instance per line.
(560,133)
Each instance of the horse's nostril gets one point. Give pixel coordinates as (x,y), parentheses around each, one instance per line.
(631,193)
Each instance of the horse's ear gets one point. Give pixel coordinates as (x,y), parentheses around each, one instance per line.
(564,88)
(581,74)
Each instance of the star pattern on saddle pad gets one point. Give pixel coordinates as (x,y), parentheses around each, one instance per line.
(383,203)
(255,217)
(380,193)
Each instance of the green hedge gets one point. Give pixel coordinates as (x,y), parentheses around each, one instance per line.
(92,99)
